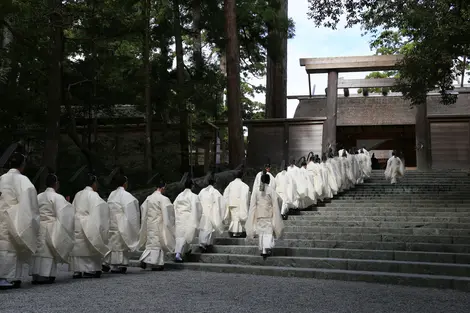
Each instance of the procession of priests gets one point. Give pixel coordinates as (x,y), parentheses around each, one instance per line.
(92,235)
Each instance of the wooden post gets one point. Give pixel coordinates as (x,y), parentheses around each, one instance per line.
(423,144)
(329,126)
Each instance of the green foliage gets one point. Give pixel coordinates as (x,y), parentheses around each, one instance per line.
(433,36)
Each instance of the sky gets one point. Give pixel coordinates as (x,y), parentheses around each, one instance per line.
(310,42)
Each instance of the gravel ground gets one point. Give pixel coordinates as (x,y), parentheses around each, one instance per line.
(187,291)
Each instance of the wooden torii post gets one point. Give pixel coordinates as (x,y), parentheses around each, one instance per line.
(333,65)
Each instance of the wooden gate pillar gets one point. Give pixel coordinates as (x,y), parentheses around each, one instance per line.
(329,126)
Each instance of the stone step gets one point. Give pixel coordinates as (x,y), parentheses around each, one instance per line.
(422,231)
(414,219)
(413,256)
(391,204)
(387,237)
(431,268)
(397,201)
(385,210)
(366,213)
(361,223)
(350,244)
(421,280)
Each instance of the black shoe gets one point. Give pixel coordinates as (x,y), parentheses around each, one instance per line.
(97,274)
(158,268)
(77,275)
(16,283)
(119,270)
(284,217)
(143,265)
(105,268)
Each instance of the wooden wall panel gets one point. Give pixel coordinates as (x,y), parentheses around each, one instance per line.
(265,142)
(303,139)
(450,144)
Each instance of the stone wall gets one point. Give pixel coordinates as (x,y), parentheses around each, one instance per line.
(378,109)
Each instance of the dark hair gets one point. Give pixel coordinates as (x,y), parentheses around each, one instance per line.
(267,165)
(92,179)
(323,157)
(303,163)
(239,174)
(120,180)
(312,159)
(292,162)
(160,184)
(265,178)
(17,160)
(394,153)
(51,180)
(344,154)
(188,184)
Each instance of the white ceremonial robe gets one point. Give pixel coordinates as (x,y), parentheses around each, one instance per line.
(315,170)
(337,168)
(347,172)
(331,182)
(56,234)
(91,232)
(364,165)
(213,212)
(395,168)
(300,183)
(327,181)
(287,191)
(237,197)
(19,223)
(124,227)
(264,218)
(157,233)
(188,212)
(368,166)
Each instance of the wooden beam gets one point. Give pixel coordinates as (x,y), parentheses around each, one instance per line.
(351,63)
(366,83)
(329,126)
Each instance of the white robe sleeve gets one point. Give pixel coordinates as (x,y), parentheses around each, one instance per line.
(60,233)
(128,221)
(388,169)
(96,225)
(250,224)
(277,222)
(167,236)
(218,211)
(23,219)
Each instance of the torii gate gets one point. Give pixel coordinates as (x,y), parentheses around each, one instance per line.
(334,65)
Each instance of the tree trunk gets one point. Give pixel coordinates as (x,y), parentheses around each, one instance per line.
(235,126)
(55,89)
(197,48)
(148,102)
(184,141)
(276,76)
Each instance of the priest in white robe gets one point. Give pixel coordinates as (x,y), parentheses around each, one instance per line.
(157,233)
(301,184)
(91,232)
(56,233)
(264,218)
(395,168)
(314,168)
(188,212)
(19,222)
(329,182)
(287,191)
(236,197)
(347,170)
(213,213)
(124,227)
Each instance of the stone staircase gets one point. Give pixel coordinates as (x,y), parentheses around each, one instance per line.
(414,233)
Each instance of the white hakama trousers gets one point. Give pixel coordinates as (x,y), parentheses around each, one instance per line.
(206,237)
(43,266)
(85,264)
(11,267)
(264,228)
(155,257)
(117,258)
(181,245)
(235,226)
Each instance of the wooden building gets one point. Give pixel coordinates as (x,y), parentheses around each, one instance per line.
(430,135)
